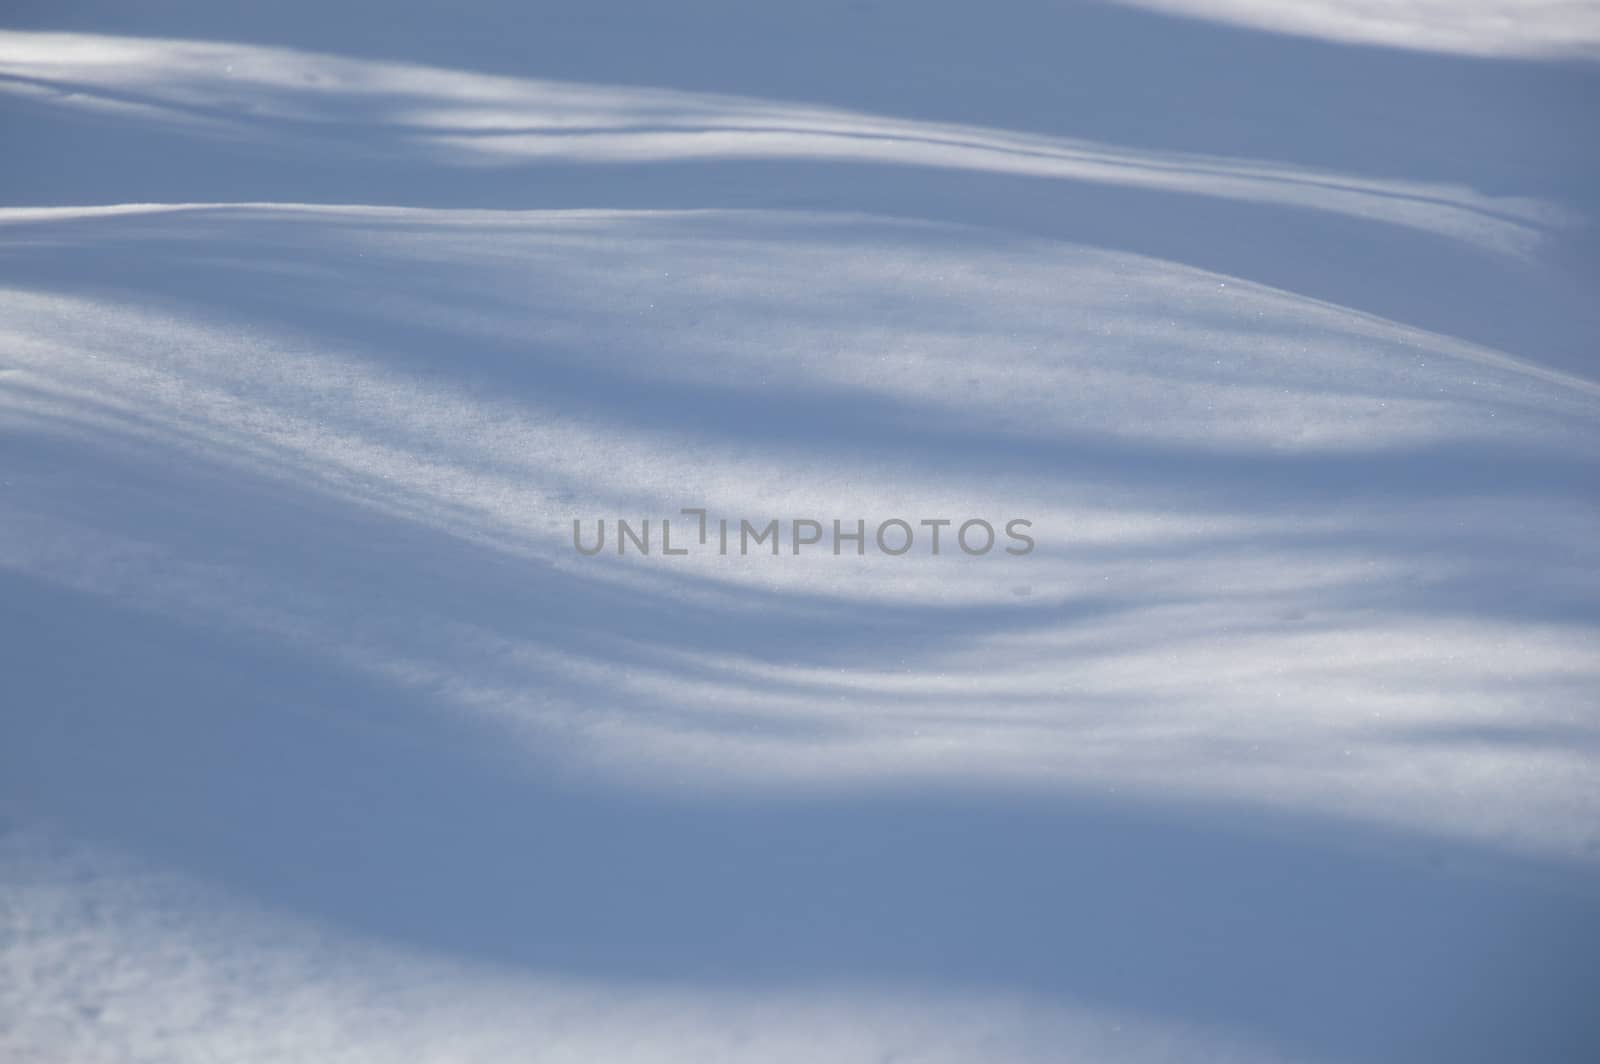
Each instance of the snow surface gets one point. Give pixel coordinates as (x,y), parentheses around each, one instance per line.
(320,323)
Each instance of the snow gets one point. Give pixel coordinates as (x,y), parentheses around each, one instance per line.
(1510,28)
(320,325)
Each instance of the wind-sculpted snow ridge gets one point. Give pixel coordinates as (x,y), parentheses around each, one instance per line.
(1543,28)
(407,112)
(490,377)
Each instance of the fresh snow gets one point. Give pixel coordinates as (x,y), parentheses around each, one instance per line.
(320,324)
